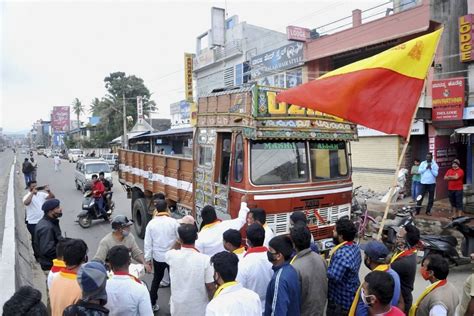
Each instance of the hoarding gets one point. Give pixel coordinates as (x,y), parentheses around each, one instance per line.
(296,33)
(139,110)
(60,118)
(466,35)
(448,99)
(188,77)
(286,57)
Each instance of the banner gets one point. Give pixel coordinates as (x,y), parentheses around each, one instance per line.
(60,119)
(448,99)
(188,77)
(286,57)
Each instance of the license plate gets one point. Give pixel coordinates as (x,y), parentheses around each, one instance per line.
(420,253)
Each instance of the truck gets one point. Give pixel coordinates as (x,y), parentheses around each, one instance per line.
(285,158)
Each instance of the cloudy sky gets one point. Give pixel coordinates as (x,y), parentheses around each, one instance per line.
(54,51)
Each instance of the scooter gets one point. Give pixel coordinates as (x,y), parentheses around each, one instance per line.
(446,245)
(90,210)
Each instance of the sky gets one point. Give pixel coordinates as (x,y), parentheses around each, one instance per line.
(54,51)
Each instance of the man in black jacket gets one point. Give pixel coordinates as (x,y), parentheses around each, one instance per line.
(27,169)
(47,234)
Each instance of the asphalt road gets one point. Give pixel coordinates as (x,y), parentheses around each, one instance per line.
(62,184)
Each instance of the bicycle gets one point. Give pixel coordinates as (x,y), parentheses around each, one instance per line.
(361,218)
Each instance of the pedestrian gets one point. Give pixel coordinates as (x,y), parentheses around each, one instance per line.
(35,168)
(160,235)
(415,179)
(441,297)
(209,239)
(93,153)
(58,263)
(98,190)
(57,162)
(120,235)
(231,298)
(300,217)
(255,271)
(191,274)
(65,289)
(25,301)
(429,171)
(258,215)
(404,262)
(343,268)
(47,234)
(126,295)
(233,242)
(27,169)
(375,259)
(33,202)
(283,295)
(92,279)
(311,270)
(466,306)
(377,294)
(455,177)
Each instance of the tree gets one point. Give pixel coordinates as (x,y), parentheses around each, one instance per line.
(77,108)
(95,107)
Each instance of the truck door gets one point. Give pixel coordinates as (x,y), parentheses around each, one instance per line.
(222,173)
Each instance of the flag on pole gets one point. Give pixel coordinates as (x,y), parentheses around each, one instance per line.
(380,92)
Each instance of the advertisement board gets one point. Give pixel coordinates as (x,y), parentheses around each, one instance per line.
(139,110)
(60,118)
(466,37)
(418,128)
(296,33)
(286,57)
(188,77)
(448,99)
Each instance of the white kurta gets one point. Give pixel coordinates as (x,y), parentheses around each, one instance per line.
(235,300)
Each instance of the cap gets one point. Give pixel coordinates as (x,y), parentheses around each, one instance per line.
(456,161)
(120,221)
(188,219)
(375,250)
(92,278)
(49,205)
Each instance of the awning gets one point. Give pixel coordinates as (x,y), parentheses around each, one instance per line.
(172,131)
(130,135)
(462,135)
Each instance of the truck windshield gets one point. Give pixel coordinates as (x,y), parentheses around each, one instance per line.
(275,162)
(97,167)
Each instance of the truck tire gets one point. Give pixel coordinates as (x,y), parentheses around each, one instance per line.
(140,216)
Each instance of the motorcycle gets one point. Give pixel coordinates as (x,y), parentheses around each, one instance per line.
(445,245)
(90,209)
(403,217)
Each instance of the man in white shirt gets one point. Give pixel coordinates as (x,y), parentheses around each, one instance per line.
(126,295)
(255,271)
(191,275)
(209,240)
(258,215)
(231,298)
(233,242)
(160,236)
(57,162)
(33,201)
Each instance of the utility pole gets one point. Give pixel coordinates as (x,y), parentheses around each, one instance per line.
(124,113)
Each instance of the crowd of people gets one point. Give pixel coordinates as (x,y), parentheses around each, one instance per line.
(216,270)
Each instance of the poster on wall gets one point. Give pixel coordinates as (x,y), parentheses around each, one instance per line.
(448,99)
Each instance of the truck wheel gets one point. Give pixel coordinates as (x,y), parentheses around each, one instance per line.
(140,216)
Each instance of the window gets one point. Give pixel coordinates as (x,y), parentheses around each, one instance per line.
(328,160)
(239,69)
(278,162)
(97,167)
(225,139)
(239,159)
(205,156)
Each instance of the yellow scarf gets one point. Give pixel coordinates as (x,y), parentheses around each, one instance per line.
(352,311)
(239,251)
(427,291)
(334,249)
(222,287)
(404,253)
(211,224)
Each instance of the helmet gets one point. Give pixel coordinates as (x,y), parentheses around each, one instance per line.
(120,221)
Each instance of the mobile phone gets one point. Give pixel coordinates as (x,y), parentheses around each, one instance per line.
(41,188)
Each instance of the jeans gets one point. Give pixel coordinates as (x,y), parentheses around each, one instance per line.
(334,309)
(430,188)
(100,204)
(31,229)
(159,271)
(415,189)
(28,178)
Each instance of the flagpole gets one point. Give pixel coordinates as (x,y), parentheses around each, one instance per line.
(399,163)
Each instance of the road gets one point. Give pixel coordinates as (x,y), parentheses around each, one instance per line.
(62,184)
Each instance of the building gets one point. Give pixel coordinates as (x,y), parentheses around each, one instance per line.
(225,61)
(180,113)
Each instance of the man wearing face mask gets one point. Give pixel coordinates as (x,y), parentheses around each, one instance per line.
(120,235)
(375,260)
(283,292)
(47,234)
(441,297)
(231,298)
(377,293)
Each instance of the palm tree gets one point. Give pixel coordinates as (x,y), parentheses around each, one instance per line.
(77,108)
(95,107)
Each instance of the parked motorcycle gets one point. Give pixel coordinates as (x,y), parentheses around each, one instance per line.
(445,245)
(404,216)
(90,210)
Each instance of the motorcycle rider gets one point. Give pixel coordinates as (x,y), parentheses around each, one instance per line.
(108,189)
(98,190)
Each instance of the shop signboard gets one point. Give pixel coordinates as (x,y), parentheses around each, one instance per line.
(140,118)
(418,128)
(188,77)
(466,37)
(296,33)
(60,120)
(448,99)
(276,60)
(468,113)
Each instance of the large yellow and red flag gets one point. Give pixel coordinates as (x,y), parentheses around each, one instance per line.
(380,92)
